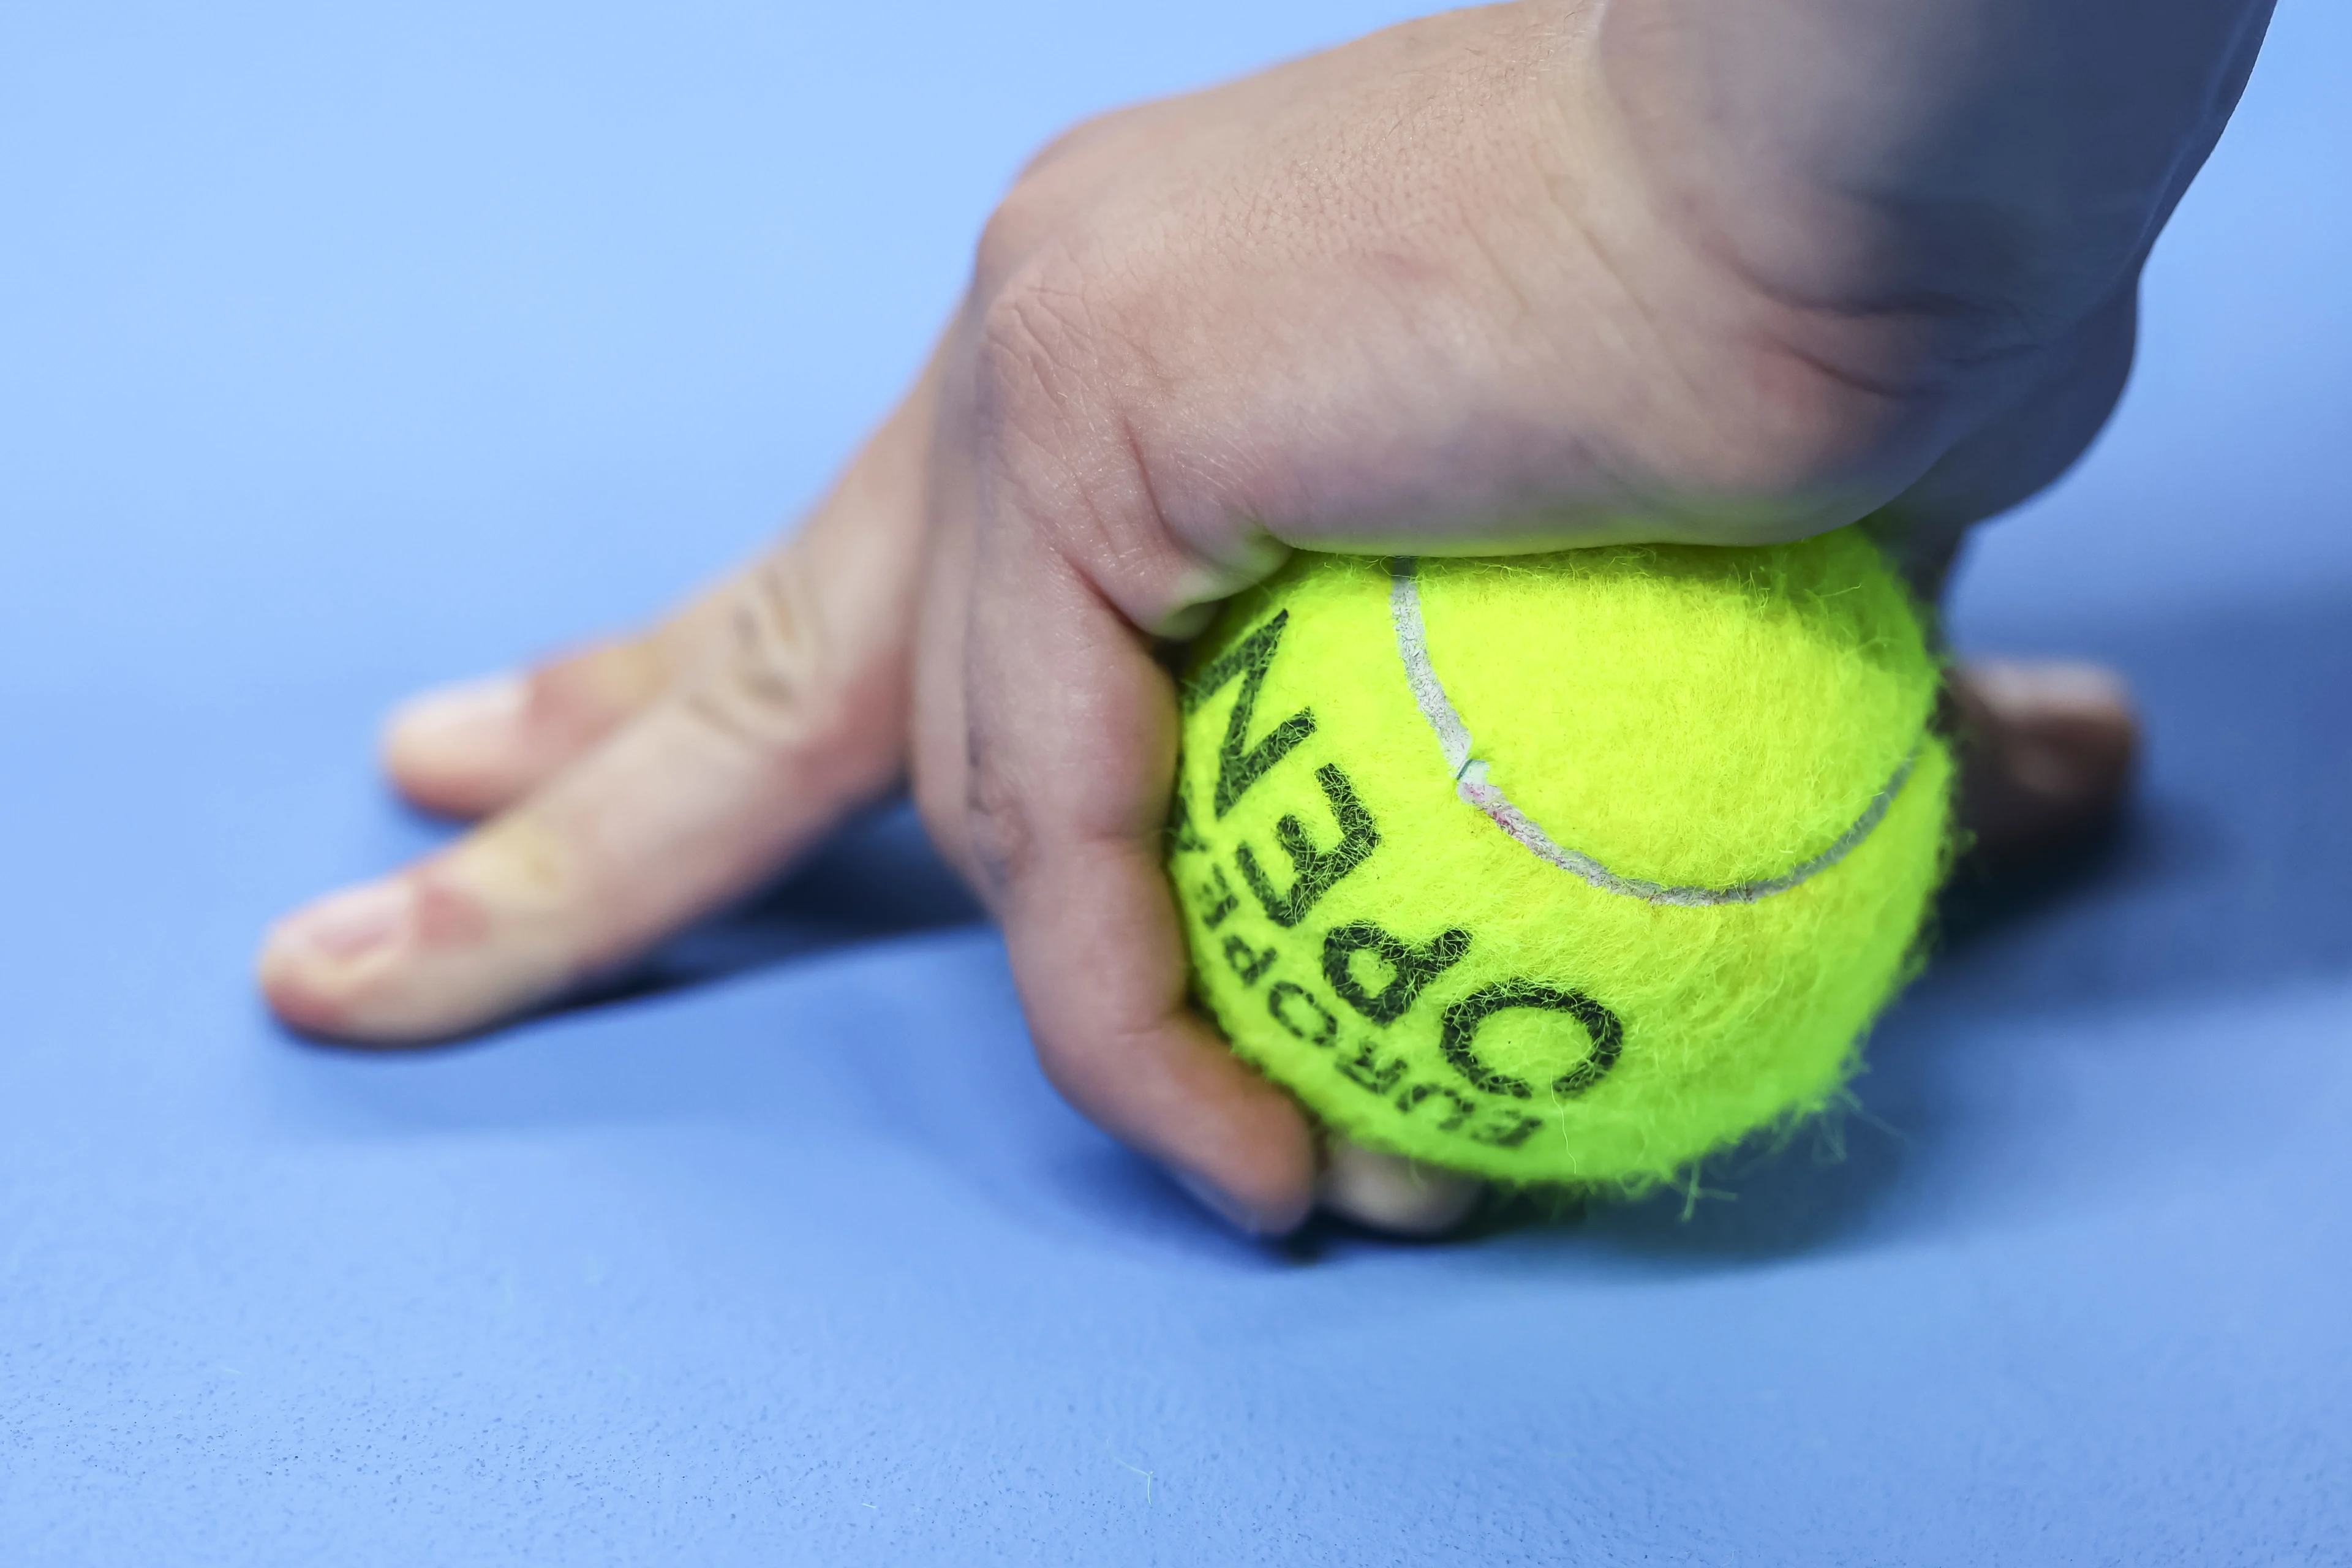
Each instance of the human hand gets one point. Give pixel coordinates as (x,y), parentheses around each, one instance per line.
(1710,270)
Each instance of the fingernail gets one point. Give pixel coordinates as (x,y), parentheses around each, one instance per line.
(2021,686)
(467,712)
(351,924)
(1217,1201)
(1388,1193)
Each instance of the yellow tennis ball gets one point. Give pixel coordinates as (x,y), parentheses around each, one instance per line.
(1567,867)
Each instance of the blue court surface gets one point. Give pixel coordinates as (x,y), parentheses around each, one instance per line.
(344,350)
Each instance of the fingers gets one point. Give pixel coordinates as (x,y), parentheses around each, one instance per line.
(479,746)
(1066,780)
(1391,1194)
(792,715)
(2047,757)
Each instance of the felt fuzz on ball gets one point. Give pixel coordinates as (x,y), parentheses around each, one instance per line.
(1560,868)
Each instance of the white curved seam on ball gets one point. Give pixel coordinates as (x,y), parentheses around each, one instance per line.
(1470,782)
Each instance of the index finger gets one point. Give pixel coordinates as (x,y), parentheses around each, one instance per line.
(1072,746)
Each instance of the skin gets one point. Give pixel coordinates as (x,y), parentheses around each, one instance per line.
(1511,278)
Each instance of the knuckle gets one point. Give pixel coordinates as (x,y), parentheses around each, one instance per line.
(1044,339)
(1001,833)
(774,652)
(782,681)
(1069,393)
(1046,195)
(1012,233)
(1086,370)
(1036,219)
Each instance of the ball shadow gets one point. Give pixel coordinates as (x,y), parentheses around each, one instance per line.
(2224,878)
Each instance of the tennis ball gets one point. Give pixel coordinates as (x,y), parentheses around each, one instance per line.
(1560,868)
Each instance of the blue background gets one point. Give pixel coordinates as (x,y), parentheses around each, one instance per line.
(342,350)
